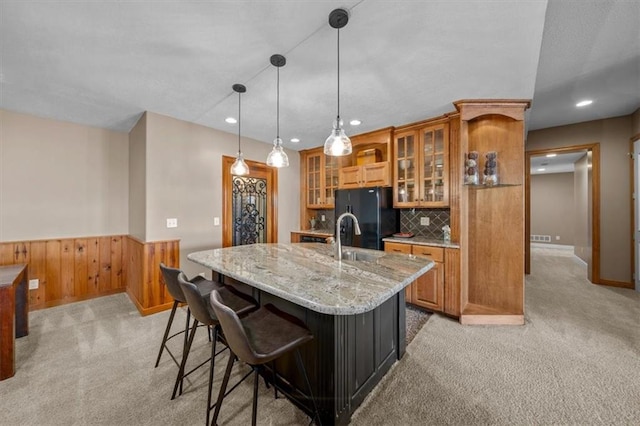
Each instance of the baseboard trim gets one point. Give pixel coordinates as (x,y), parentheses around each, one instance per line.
(148,311)
(620,284)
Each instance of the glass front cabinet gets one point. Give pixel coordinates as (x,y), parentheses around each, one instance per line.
(321,172)
(421,167)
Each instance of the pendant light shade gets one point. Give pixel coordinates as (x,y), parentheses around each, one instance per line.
(338,143)
(239,167)
(277,157)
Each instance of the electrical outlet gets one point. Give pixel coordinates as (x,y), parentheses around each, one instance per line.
(34,284)
(172,223)
(322,218)
(424,221)
(216,221)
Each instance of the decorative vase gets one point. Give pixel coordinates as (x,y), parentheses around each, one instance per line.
(490,175)
(471,168)
(312,221)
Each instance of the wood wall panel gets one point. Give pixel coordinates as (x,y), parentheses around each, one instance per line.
(144,281)
(69,269)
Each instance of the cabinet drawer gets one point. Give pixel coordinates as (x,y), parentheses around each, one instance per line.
(435,253)
(397,247)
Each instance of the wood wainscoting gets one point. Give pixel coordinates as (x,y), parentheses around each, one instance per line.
(74,269)
(69,269)
(145,286)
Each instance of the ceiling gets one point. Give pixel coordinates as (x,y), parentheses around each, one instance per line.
(558,163)
(103,63)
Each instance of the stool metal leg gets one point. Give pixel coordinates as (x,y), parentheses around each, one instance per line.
(166,331)
(223,387)
(306,379)
(254,411)
(185,355)
(211,369)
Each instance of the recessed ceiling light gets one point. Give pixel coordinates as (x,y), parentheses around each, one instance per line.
(551,155)
(295,140)
(355,122)
(231,120)
(584,103)
(541,169)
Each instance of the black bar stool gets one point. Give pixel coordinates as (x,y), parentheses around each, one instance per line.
(239,304)
(257,339)
(170,276)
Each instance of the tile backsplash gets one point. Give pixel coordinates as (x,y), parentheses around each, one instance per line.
(329,221)
(409,221)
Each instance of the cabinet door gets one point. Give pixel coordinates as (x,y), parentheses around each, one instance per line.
(435,166)
(428,290)
(314,180)
(350,177)
(331,169)
(376,174)
(406,189)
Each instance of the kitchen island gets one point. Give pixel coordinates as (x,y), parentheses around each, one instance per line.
(355,309)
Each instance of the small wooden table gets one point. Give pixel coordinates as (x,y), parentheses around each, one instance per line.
(14,314)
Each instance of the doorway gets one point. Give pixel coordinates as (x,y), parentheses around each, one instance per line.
(635,207)
(249,212)
(593,257)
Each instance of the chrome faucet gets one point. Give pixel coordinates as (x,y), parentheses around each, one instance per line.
(338,253)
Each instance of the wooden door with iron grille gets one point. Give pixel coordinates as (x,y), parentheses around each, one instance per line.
(249,213)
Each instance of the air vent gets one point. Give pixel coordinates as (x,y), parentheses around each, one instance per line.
(541,238)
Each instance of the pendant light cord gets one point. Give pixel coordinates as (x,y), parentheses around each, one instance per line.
(239,120)
(338,118)
(278,104)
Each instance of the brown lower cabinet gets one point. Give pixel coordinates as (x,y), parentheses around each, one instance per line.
(430,289)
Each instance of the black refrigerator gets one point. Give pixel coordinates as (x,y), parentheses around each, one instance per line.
(376,216)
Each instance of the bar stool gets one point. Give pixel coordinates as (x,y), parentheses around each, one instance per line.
(239,304)
(170,276)
(257,339)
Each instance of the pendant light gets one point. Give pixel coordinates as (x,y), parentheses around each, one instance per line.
(338,143)
(239,167)
(277,157)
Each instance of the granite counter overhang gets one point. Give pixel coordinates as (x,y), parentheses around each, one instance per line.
(306,274)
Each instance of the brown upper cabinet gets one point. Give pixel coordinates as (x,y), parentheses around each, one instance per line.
(368,165)
(370,161)
(421,166)
(320,177)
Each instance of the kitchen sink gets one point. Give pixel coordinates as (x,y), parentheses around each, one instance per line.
(360,256)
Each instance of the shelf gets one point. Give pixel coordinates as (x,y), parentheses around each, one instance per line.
(500,185)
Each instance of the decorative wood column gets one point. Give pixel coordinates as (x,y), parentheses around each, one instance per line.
(492,217)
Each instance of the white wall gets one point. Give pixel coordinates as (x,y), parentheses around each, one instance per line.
(61,180)
(184,181)
(552,207)
(138,179)
(613,135)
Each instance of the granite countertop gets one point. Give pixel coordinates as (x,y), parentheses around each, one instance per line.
(423,241)
(307,274)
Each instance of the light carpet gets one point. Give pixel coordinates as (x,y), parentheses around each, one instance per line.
(576,361)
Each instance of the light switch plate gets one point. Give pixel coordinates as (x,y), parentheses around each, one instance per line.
(34,284)
(172,223)
(216,221)
(424,221)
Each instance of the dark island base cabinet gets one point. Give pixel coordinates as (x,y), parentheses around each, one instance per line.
(347,358)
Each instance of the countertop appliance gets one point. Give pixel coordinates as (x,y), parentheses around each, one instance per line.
(376,216)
